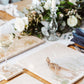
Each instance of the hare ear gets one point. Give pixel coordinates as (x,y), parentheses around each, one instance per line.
(48,60)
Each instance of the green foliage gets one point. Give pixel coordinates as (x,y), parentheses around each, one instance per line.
(34,27)
(63,8)
(34,24)
(80,8)
(46,15)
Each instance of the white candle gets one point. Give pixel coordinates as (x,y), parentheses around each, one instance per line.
(53,5)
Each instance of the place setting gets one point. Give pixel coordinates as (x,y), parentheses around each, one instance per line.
(56,67)
(42,44)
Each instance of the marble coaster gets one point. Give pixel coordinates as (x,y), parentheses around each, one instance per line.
(24,79)
(20,45)
(59,54)
(9,71)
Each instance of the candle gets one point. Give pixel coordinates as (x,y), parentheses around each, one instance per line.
(53,5)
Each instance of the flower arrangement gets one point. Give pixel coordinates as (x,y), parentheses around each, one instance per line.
(67,17)
(21,24)
(34,24)
(31,24)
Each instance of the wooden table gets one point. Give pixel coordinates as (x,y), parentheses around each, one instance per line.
(29,73)
(27,3)
(23,4)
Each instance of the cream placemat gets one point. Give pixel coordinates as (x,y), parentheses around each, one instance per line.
(20,45)
(59,54)
(24,79)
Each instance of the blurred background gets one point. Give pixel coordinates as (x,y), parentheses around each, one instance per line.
(4,2)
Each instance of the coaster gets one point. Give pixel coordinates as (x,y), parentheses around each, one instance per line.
(9,71)
(20,45)
(24,79)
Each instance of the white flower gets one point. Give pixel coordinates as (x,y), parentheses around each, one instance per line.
(73,1)
(64,23)
(40,8)
(61,15)
(25,19)
(72,21)
(21,23)
(47,5)
(35,4)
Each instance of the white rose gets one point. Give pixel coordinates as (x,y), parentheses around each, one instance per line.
(72,21)
(25,19)
(73,1)
(20,23)
(61,15)
(47,5)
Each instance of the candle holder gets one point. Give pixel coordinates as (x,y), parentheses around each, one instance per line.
(53,26)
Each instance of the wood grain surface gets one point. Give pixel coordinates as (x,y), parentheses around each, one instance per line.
(81,81)
(5,16)
(23,4)
(29,73)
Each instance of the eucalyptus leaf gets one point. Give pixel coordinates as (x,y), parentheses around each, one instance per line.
(62,2)
(39,36)
(60,6)
(70,3)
